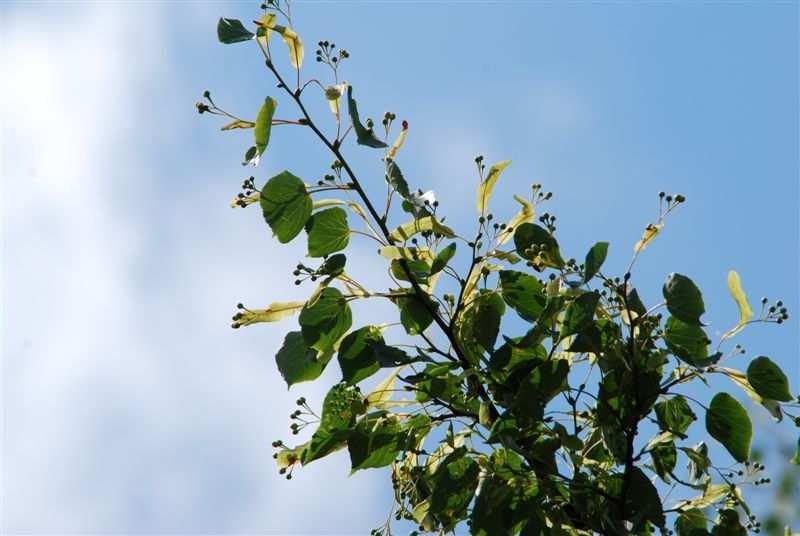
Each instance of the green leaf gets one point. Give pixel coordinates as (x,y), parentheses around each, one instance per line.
(698,461)
(489,310)
(420,269)
(728,423)
(594,260)
(684,300)
(529,235)
(665,457)
(297,362)
(443,257)
(339,411)
(688,342)
(491,515)
(643,501)
(691,523)
(251,156)
(363,135)
(286,205)
(674,415)
(796,459)
(728,524)
(232,31)
(486,186)
(375,442)
(326,320)
(333,265)
(580,313)
(396,180)
(264,124)
(524,293)
(414,315)
(768,379)
(328,232)
(357,354)
(454,484)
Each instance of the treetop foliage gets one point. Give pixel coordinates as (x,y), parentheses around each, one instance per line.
(577,424)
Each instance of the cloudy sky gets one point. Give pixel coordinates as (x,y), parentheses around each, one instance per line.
(130,406)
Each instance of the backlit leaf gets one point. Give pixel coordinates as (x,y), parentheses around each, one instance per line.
(594,260)
(286,205)
(487,185)
(297,362)
(745,312)
(328,232)
(768,379)
(525,215)
(727,422)
(326,320)
(428,223)
(263,125)
(684,299)
(650,232)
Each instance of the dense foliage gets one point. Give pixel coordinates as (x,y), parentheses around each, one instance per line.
(576,425)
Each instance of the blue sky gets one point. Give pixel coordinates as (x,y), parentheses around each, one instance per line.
(130,406)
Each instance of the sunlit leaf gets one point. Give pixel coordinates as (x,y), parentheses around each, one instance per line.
(650,232)
(333,94)
(238,123)
(383,392)
(274,312)
(525,215)
(745,312)
(265,23)
(294,43)
(263,125)
(398,142)
(487,185)
(428,223)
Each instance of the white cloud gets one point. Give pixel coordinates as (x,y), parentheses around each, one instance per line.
(128,403)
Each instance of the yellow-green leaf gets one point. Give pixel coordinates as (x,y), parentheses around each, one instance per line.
(650,232)
(294,43)
(239,123)
(274,312)
(379,398)
(263,125)
(401,138)
(428,223)
(745,312)
(265,23)
(486,187)
(525,214)
(333,94)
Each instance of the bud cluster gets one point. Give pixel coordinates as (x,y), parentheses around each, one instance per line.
(776,312)
(248,195)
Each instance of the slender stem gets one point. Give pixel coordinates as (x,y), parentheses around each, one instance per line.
(356,185)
